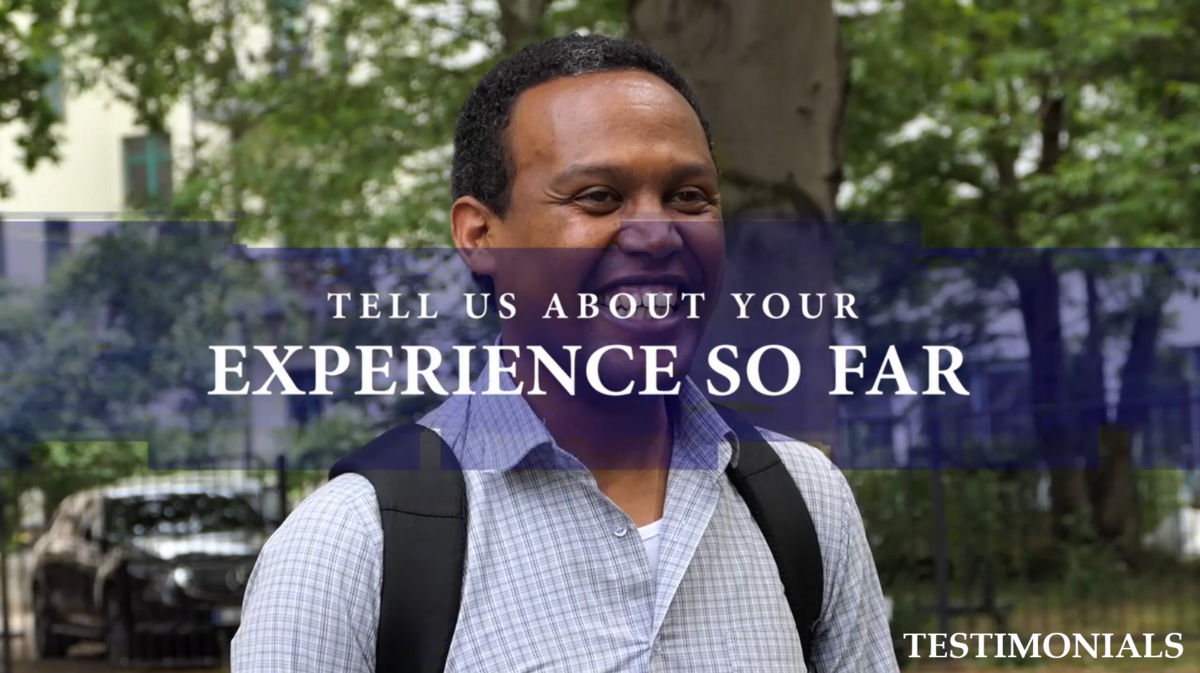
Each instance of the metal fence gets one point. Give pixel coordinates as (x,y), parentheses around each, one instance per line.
(149,565)
(962,551)
(959,508)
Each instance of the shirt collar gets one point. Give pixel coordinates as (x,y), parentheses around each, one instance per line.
(500,431)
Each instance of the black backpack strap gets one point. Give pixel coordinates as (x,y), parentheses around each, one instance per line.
(423,511)
(777,505)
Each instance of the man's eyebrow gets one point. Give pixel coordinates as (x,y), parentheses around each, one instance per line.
(615,173)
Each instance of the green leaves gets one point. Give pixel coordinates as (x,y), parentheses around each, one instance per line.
(319,124)
(324,124)
(123,321)
(27,46)
(148,55)
(1055,110)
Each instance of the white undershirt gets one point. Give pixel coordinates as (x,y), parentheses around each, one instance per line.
(650,538)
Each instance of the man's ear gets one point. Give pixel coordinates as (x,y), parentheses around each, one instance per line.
(471,225)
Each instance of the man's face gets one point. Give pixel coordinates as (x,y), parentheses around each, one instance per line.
(615,191)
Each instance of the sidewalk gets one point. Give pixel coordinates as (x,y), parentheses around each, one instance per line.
(93,666)
(96,664)
(89,658)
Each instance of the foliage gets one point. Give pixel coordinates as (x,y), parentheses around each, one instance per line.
(313,449)
(907,618)
(71,466)
(339,120)
(994,524)
(1056,125)
(908,299)
(331,134)
(26,50)
(62,468)
(980,507)
(123,321)
(317,445)
(1045,126)
(124,324)
(1049,125)
(1160,496)
(332,131)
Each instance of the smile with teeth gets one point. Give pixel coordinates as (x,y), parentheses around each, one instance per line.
(641,302)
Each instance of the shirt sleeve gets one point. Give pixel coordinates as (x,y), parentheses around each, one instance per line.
(312,600)
(854,634)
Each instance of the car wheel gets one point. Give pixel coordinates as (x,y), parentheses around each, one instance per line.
(47,643)
(120,631)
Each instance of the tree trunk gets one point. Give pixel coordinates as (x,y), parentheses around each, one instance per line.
(772,78)
(1038,290)
(1093,417)
(522,22)
(1143,344)
(1117,520)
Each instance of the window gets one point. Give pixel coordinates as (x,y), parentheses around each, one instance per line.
(148,183)
(58,243)
(54,91)
(303,409)
(180,514)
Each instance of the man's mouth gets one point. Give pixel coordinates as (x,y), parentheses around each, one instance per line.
(641,301)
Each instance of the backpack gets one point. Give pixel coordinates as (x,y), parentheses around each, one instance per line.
(423,511)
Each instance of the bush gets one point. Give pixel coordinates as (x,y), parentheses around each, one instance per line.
(320,443)
(1160,494)
(990,516)
(994,521)
(907,619)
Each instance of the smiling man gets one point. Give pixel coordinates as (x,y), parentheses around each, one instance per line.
(599,532)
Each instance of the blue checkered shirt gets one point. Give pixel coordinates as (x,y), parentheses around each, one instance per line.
(553,579)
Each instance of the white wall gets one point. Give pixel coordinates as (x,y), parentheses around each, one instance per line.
(86,186)
(88,181)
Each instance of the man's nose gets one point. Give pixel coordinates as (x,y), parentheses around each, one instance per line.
(655,236)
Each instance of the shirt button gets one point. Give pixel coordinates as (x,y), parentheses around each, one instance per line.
(658,644)
(620,531)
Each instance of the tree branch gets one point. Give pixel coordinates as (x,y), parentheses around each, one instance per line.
(1053,116)
(521,22)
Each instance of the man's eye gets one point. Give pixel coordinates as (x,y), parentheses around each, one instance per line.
(597,197)
(692,197)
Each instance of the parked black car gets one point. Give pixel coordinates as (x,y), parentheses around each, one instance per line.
(141,564)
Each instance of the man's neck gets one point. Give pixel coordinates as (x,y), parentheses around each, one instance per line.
(631,432)
(625,441)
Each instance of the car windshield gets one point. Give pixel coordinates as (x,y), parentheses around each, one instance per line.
(180,514)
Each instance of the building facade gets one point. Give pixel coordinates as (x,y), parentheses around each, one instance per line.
(109,167)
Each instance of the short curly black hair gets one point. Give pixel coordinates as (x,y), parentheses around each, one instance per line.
(482,165)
